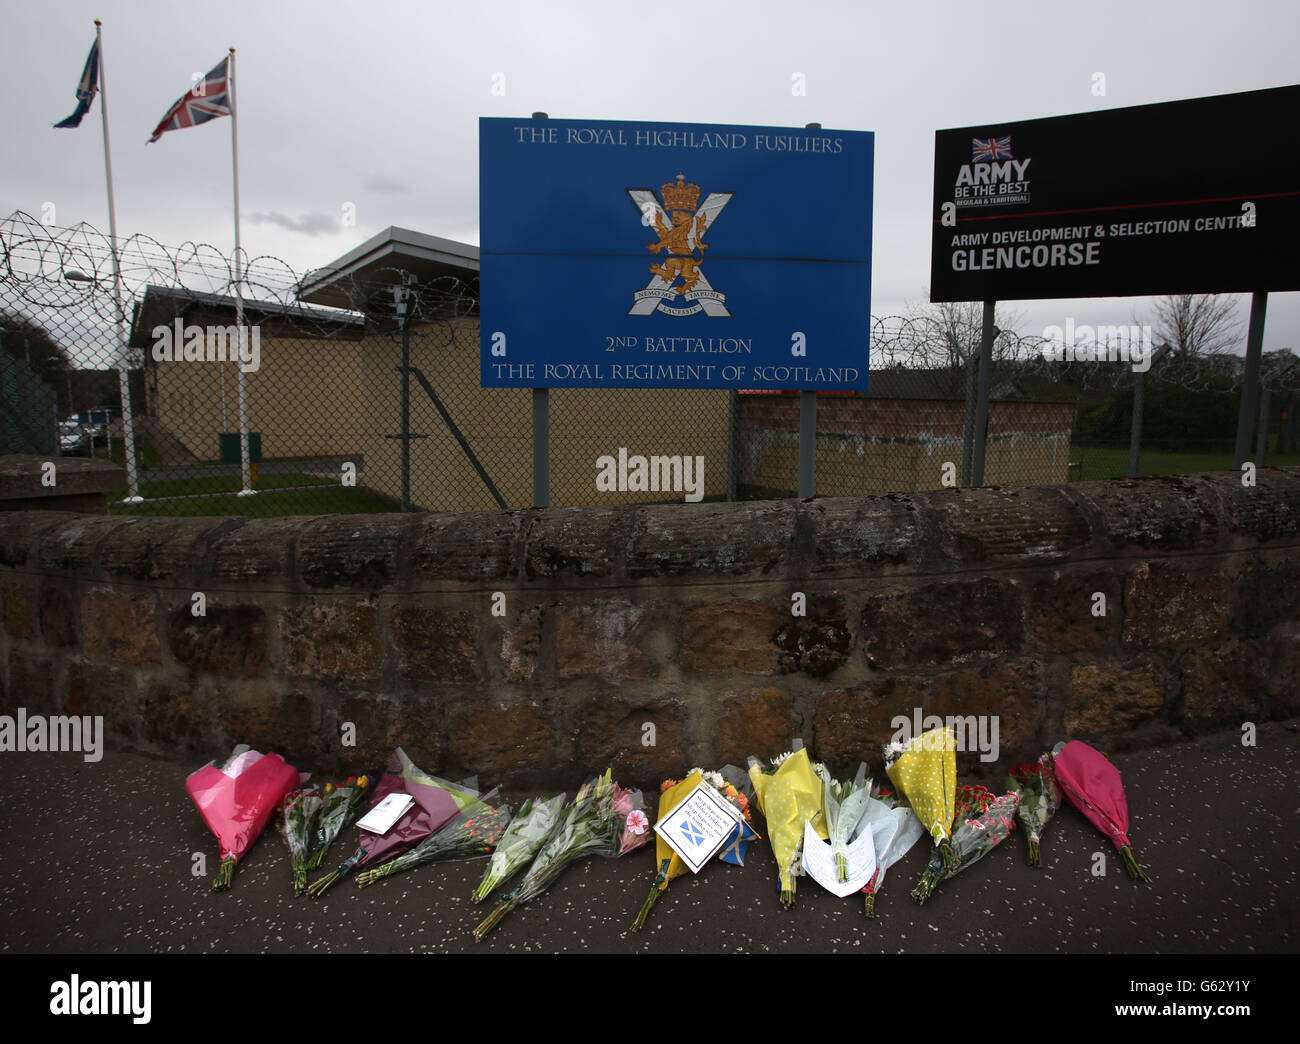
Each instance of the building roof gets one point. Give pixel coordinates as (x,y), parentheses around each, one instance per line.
(377,260)
(161,304)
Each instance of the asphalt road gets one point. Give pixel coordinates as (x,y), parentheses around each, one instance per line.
(97,859)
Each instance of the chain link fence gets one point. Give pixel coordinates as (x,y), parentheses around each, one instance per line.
(233,396)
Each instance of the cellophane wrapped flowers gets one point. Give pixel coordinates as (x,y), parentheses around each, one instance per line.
(983,820)
(1040,797)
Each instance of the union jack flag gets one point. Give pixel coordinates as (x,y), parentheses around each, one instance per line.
(206,100)
(991,149)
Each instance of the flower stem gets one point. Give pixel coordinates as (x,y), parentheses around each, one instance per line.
(1131,865)
(660,882)
(841,868)
(492,920)
(319,888)
(948,856)
(926,886)
(871,904)
(1035,856)
(225,874)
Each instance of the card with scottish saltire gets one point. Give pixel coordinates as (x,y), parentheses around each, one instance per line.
(669,255)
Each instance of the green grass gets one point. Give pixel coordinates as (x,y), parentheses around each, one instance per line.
(205,485)
(145,454)
(327,499)
(1101,462)
(276,496)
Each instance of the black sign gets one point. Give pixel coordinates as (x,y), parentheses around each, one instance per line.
(1197,196)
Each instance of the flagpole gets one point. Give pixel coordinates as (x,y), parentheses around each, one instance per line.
(123,372)
(245,470)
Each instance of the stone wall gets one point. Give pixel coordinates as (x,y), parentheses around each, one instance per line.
(670,623)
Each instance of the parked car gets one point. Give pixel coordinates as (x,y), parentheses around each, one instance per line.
(72,438)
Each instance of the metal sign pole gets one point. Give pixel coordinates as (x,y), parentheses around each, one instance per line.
(1250,383)
(541,432)
(982,402)
(808,426)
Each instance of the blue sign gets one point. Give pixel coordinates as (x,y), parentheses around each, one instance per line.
(657,255)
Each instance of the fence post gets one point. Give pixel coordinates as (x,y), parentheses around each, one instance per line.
(403,317)
(807,444)
(968,421)
(733,448)
(982,403)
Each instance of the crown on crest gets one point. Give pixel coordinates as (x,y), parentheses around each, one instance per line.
(680,196)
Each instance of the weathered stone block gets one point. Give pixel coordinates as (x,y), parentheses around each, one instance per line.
(1106,698)
(735,635)
(1163,605)
(1165,511)
(120,626)
(332,640)
(58,617)
(520,645)
(440,645)
(1063,611)
(350,550)
(761,722)
(816,644)
(1224,679)
(606,638)
(228,639)
(935,623)
(1033,524)
(856,531)
(254,549)
(31,683)
(611,732)
(515,739)
(19,609)
(95,688)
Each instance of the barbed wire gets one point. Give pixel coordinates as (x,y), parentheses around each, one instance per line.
(48,269)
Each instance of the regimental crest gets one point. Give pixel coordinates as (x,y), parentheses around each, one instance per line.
(678,285)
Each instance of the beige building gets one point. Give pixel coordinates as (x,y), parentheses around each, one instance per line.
(328,385)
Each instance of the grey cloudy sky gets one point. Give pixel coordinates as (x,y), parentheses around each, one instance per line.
(377,104)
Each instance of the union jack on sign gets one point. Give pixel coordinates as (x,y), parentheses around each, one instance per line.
(206,100)
(991,149)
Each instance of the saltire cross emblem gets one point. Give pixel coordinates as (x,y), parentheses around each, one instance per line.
(692,833)
(681,236)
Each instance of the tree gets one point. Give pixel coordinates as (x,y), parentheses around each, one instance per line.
(33,345)
(948,333)
(1197,325)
